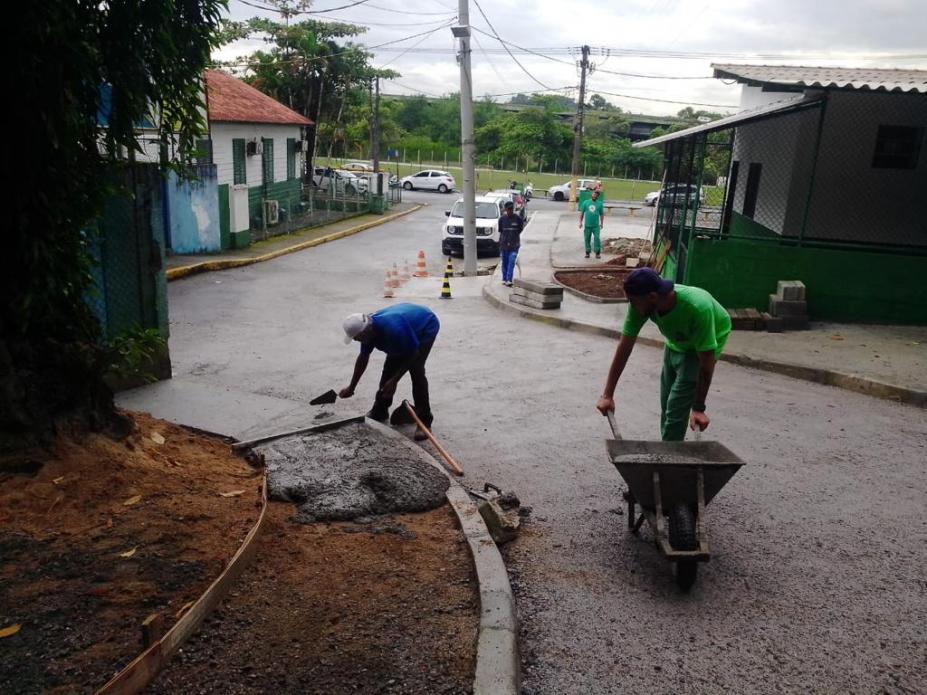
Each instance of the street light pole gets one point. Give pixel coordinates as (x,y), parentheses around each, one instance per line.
(462,32)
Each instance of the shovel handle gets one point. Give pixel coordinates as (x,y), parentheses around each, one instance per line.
(613,423)
(452,464)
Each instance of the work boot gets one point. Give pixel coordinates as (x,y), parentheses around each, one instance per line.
(420,435)
(587,255)
(378,414)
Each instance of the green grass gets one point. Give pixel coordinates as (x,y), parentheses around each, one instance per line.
(490,179)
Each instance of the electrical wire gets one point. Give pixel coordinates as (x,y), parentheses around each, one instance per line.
(511,55)
(489,60)
(666,101)
(412,12)
(364,22)
(397,57)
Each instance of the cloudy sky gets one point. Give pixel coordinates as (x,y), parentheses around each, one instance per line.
(632,36)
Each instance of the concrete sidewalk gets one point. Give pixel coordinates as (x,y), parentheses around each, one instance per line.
(183,265)
(886,361)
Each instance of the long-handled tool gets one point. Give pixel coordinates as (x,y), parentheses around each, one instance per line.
(452,464)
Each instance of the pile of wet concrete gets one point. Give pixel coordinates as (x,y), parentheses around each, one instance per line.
(350,473)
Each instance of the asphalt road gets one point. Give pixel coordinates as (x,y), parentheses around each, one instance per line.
(819,545)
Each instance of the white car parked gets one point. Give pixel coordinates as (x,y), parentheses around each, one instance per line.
(677,194)
(488,212)
(338,181)
(430,179)
(562,192)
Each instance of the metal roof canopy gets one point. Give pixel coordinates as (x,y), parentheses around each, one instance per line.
(799,76)
(777,108)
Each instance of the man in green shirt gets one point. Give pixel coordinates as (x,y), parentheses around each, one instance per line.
(591,221)
(695,327)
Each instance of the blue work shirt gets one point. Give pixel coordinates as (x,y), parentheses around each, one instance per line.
(401,329)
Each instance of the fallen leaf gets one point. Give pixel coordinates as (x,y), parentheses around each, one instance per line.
(128,553)
(232,493)
(183,609)
(132,500)
(10,631)
(58,480)
(836,337)
(157,438)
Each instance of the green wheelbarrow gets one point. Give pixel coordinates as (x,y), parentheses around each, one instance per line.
(672,483)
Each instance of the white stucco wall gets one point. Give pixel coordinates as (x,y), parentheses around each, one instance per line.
(753,97)
(222,135)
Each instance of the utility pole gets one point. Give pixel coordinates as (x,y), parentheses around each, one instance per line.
(578,125)
(375,128)
(462,32)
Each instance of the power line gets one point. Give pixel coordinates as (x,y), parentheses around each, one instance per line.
(521,48)
(489,60)
(390,9)
(397,57)
(511,55)
(364,22)
(667,101)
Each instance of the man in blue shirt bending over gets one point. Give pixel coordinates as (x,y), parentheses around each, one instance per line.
(405,332)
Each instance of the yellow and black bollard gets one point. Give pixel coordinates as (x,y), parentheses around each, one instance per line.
(448,272)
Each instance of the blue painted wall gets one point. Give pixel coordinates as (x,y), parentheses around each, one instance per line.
(192,210)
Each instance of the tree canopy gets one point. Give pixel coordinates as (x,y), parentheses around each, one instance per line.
(87,73)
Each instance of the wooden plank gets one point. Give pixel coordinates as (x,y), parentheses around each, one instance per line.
(142,670)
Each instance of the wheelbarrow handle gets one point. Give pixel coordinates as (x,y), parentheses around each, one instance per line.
(610,414)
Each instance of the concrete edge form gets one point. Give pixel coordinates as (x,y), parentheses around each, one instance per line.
(143,669)
(849,382)
(584,295)
(225,264)
(497,660)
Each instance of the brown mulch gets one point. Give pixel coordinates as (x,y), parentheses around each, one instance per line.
(604,282)
(389,606)
(102,535)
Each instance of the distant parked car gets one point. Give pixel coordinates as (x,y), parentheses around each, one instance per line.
(358,167)
(677,193)
(488,211)
(521,204)
(430,179)
(338,181)
(562,192)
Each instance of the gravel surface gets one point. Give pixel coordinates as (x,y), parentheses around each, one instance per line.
(349,472)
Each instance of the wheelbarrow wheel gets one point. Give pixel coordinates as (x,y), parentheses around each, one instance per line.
(682,537)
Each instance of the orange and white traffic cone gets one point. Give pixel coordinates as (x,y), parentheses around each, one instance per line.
(421,270)
(404,274)
(394,277)
(388,286)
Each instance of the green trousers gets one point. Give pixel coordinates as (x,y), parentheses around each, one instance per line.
(677,393)
(590,234)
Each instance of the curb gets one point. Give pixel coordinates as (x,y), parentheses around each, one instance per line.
(849,382)
(497,660)
(225,264)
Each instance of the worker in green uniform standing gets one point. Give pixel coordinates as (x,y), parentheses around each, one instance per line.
(591,221)
(695,327)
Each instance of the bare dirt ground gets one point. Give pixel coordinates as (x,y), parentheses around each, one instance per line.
(605,282)
(390,606)
(102,534)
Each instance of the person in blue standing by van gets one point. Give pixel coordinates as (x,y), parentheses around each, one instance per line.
(406,333)
(510,229)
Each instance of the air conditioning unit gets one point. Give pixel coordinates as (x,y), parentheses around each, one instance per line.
(254,147)
(271,211)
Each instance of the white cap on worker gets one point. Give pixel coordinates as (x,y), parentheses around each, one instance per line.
(353,325)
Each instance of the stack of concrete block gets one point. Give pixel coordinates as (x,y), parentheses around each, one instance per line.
(537,295)
(746,319)
(788,309)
